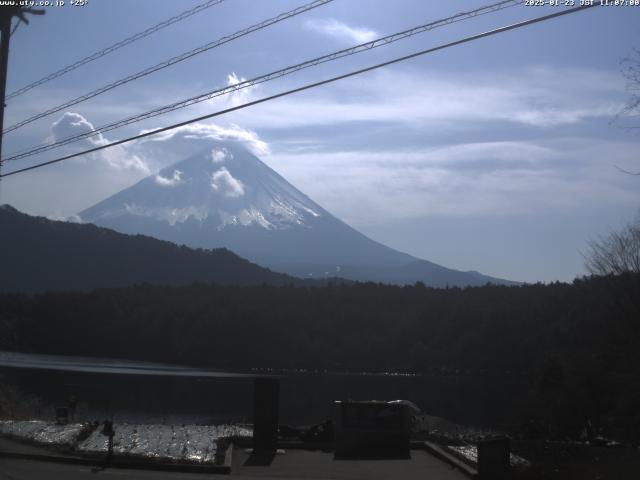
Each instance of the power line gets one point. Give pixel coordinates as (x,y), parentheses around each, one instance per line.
(172,61)
(310,86)
(268,77)
(115,46)
(10,10)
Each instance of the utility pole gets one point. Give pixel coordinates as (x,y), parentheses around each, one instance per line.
(5,31)
(6,15)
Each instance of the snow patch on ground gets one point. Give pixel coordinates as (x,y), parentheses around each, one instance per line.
(192,443)
(470,453)
(39,431)
(195,443)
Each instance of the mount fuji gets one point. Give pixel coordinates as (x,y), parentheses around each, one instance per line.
(227,197)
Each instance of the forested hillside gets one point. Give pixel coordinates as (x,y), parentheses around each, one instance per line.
(39,254)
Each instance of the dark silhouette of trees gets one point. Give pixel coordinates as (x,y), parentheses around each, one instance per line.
(573,347)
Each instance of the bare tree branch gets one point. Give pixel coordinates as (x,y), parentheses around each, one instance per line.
(630,69)
(626,171)
(616,253)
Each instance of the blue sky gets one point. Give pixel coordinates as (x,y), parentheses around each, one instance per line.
(497,156)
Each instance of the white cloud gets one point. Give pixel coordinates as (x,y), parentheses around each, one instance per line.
(175,179)
(335,28)
(243,95)
(71,124)
(60,217)
(122,158)
(100,174)
(210,131)
(532,97)
(135,156)
(219,155)
(119,157)
(225,183)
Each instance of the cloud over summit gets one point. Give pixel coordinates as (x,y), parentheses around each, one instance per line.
(206,132)
(223,182)
(155,152)
(175,179)
(219,155)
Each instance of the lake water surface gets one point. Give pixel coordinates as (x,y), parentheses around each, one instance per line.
(161,393)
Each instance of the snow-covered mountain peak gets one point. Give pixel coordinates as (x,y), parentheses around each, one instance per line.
(226,197)
(225,184)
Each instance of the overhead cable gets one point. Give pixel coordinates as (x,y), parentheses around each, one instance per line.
(309,86)
(363,47)
(172,61)
(116,46)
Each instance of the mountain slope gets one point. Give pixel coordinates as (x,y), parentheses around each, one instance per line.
(39,254)
(237,202)
(226,197)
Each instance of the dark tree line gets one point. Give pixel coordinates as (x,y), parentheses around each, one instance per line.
(576,343)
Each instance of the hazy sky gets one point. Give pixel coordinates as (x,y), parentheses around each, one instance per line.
(497,156)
